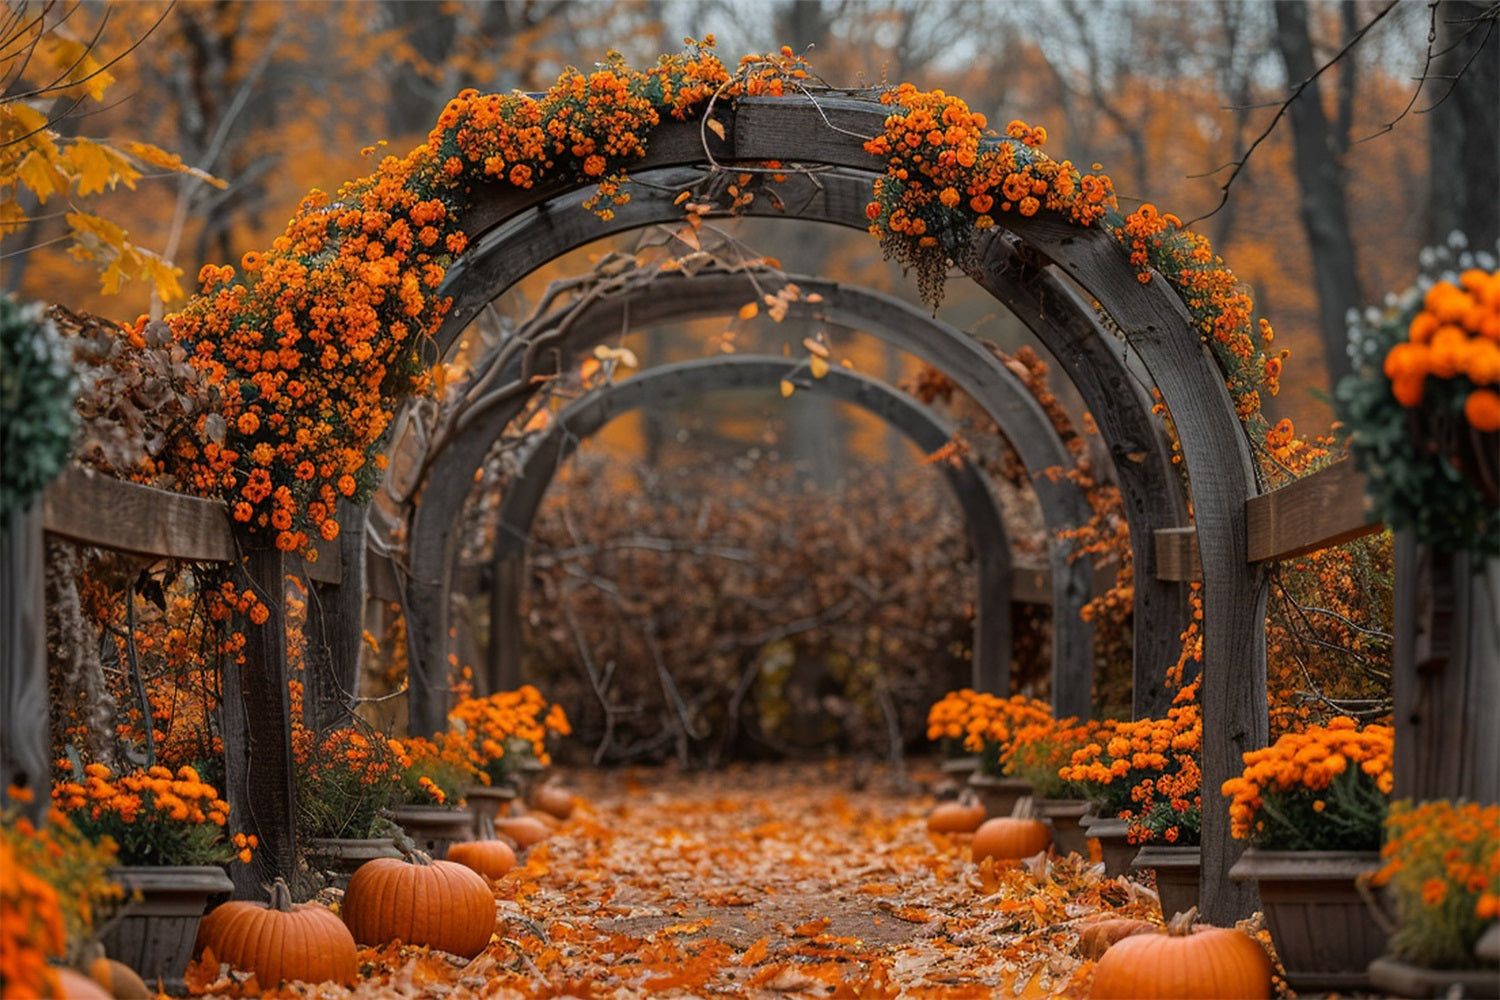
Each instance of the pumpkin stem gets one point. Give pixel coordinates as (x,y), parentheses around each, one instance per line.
(1181,925)
(281,896)
(408,848)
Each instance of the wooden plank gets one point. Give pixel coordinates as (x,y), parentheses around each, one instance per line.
(140,519)
(335,629)
(1325,508)
(1177,554)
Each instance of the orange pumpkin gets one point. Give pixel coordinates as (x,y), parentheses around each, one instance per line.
(956,816)
(441,904)
(1096,936)
(280,942)
(76,986)
(118,979)
(552,800)
(489,857)
(1184,963)
(1009,838)
(524,830)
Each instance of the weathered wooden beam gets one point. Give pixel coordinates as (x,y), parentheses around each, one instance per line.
(140,519)
(152,522)
(1327,508)
(1314,512)
(335,629)
(1177,554)
(255,722)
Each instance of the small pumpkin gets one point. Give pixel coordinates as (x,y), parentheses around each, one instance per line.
(1096,936)
(553,800)
(279,941)
(440,904)
(962,815)
(118,979)
(1008,838)
(526,831)
(1184,963)
(74,985)
(488,856)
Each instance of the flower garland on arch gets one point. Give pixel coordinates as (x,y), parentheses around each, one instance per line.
(309,347)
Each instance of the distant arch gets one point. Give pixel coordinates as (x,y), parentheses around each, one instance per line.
(589,414)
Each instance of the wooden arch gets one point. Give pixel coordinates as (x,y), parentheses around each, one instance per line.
(830,131)
(589,414)
(974,368)
(1105,369)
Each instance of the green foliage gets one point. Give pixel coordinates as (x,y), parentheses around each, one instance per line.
(38,389)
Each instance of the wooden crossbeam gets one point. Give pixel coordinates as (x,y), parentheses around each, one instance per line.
(1315,512)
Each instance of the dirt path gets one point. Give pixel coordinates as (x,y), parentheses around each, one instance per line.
(763,882)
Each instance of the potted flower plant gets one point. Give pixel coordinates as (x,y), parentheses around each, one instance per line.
(346,779)
(507,732)
(56,890)
(1440,873)
(987,724)
(1311,806)
(170,831)
(1036,754)
(1145,773)
(434,774)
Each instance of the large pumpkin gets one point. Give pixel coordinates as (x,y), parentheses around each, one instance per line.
(1184,963)
(963,815)
(1008,838)
(74,985)
(280,942)
(440,904)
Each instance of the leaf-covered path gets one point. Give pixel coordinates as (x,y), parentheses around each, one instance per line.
(774,881)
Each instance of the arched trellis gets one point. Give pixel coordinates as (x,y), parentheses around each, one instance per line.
(830,131)
(1105,369)
(974,368)
(524,491)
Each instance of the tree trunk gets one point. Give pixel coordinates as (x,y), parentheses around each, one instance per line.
(1322,182)
(23,662)
(1464,127)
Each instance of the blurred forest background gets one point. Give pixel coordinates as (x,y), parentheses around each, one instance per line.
(838,580)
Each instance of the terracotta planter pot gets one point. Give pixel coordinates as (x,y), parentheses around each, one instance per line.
(433,828)
(1324,932)
(338,857)
(1177,871)
(1114,844)
(999,795)
(154,930)
(1393,977)
(1068,836)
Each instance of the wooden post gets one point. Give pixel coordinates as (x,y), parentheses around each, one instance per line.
(335,629)
(24,740)
(255,721)
(1447,674)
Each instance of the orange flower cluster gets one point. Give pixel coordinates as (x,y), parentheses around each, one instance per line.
(52,880)
(311,347)
(946,177)
(1220,305)
(1441,866)
(1455,335)
(507,727)
(986,723)
(1147,771)
(436,769)
(1039,750)
(1323,788)
(152,815)
(344,779)
(587,127)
